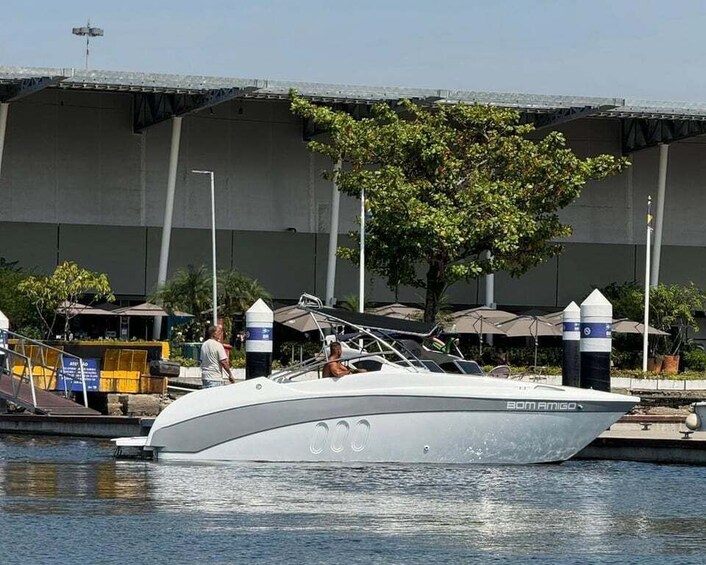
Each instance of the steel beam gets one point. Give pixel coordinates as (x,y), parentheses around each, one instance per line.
(12,91)
(561,115)
(641,133)
(150,108)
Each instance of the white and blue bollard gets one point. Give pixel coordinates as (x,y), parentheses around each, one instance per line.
(596,341)
(258,340)
(571,346)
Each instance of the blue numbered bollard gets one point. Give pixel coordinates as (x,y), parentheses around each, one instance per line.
(571,340)
(258,340)
(596,341)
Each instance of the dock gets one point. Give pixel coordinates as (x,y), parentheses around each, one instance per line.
(649,439)
(75,426)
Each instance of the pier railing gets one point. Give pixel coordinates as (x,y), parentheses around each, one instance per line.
(50,359)
(11,360)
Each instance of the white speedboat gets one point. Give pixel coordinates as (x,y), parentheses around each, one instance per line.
(397,412)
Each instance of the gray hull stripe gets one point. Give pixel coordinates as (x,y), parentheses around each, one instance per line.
(203,432)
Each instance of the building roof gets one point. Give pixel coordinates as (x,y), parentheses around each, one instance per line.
(642,120)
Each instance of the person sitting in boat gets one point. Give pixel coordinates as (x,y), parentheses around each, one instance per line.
(334,367)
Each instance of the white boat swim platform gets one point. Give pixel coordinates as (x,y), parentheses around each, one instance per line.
(135,441)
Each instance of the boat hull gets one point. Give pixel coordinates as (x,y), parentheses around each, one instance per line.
(421,437)
(385,418)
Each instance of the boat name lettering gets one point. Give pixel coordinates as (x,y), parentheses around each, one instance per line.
(533,405)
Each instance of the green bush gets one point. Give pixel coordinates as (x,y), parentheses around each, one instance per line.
(695,360)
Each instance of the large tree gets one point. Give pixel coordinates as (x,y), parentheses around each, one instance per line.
(446,184)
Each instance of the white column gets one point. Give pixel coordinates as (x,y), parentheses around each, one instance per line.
(214,275)
(659,212)
(361,271)
(168,214)
(490,287)
(333,236)
(4,106)
(489,295)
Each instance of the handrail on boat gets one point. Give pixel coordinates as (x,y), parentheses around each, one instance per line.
(314,305)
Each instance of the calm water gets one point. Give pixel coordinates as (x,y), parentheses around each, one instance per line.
(68,501)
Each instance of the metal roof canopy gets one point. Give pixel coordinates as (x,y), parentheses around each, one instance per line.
(161,96)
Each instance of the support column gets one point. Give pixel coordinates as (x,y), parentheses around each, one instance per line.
(489,295)
(659,212)
(333,237)
(168,215)
(4,107)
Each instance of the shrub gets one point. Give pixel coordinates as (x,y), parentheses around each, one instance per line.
(695,360)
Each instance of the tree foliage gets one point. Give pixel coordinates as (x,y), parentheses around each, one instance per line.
(445,185)
(60,293)
(191,290)
(16,306)
(672,309)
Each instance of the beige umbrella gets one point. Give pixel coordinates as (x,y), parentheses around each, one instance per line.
(67,307)
(625,326)
(300,320)
(530,326)
(398,310)
(480,321)
(149,310)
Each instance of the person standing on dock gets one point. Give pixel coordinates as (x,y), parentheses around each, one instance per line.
(214,359)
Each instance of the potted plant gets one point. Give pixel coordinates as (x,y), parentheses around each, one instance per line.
(672,310)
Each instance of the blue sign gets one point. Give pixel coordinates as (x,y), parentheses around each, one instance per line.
(72,375)
(596,330)
(259,334)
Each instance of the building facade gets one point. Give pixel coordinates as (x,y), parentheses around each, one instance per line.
(85,163)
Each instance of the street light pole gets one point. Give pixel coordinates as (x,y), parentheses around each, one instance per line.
(213,242)
(87,32)
(361,273)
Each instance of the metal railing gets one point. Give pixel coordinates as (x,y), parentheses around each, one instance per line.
(25,347)
(8,369)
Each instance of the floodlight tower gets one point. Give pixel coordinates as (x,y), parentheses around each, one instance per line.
(88,32)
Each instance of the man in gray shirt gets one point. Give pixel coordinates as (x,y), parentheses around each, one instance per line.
(214,360)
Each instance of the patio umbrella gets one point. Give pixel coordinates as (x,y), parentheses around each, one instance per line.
(530,326)
(149,310)
(398,310)
(82,310)
(625,326)
(300,320)
(480,321)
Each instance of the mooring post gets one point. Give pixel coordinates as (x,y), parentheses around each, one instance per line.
(571,340)
(596,341)
(258,341)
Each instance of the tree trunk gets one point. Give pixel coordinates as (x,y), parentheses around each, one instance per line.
(435,290)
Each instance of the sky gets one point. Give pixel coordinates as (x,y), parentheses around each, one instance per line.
(645,49)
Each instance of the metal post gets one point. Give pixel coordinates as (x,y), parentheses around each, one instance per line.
(659,216)
(647,285)
(213,243)
(361,270)
(83,380)
(4,106)
(333,236)
(168,215)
